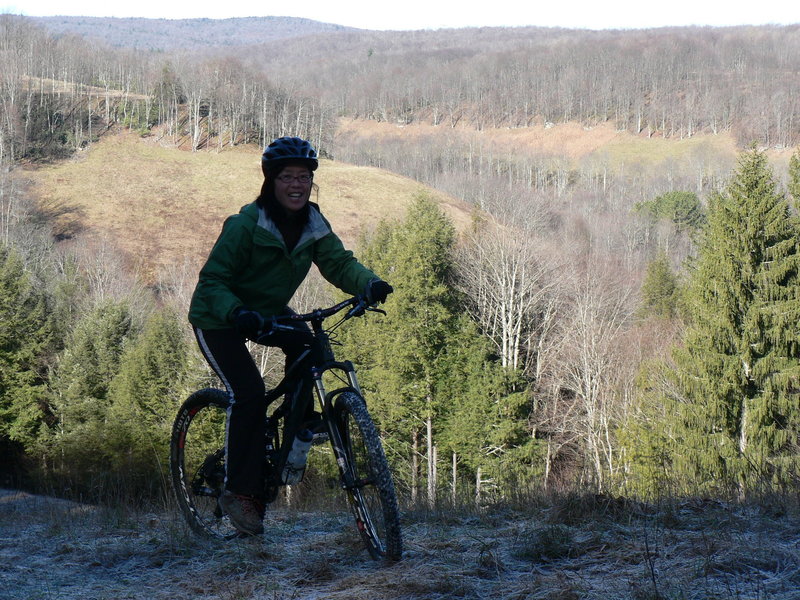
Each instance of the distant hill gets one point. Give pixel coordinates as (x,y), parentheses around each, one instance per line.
(667,82)
(187,34)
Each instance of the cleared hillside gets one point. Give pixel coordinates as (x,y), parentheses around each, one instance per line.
(571,141)
(162,206)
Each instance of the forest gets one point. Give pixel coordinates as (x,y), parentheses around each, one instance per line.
(623,324)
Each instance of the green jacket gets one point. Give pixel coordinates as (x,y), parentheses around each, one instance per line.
(250,266)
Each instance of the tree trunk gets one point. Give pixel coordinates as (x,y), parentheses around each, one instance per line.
(743,442)
(431,454)
(414,466)
(455,475)
(548,462)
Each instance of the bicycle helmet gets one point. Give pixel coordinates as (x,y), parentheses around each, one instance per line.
(288,149)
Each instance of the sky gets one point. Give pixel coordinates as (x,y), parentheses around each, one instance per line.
(427,14)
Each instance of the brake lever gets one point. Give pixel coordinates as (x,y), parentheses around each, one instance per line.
(358,310)
(376,309)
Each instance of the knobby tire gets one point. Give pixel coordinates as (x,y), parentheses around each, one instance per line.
(197,461)
(371,496)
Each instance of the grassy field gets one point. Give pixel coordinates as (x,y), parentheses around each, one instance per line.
(161,205)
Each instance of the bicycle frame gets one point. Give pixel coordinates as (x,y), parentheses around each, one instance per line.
(290,411)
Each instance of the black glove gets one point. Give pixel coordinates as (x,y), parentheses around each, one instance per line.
(377,290)
(248,322)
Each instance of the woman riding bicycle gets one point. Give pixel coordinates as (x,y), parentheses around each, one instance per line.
(261,257)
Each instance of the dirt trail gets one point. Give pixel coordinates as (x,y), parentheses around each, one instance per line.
(55,549)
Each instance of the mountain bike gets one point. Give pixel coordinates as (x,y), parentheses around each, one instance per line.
(197,445)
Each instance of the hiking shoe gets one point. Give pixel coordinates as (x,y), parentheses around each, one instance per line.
(245,512)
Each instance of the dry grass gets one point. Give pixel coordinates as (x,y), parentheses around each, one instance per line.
(57,86)
(574,142)
(695,550)
(162,206)
(356,198)
(570,140)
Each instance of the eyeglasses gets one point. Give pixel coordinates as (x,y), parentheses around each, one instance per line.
(286,178)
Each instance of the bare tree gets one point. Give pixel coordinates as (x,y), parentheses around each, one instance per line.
(507,280)
(588,366)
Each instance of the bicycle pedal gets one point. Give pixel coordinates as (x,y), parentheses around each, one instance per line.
(320,438)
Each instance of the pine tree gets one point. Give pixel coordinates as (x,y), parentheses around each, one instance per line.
(399,355)
(79,390)
(25,332)
(794,178)
(488,406)
(682,208)
(145,395)
(90,360)
(739,369)
(659,288)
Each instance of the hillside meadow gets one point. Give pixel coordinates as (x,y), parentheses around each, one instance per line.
(161,205)
(572,141)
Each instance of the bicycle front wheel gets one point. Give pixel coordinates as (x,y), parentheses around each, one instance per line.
(367,479)
(197,462)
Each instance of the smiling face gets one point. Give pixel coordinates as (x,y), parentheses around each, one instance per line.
(293,187)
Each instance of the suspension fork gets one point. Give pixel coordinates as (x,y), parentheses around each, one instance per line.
(317,372)
(350,371)
(326,401)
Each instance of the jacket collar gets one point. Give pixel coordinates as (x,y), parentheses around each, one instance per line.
(315,229)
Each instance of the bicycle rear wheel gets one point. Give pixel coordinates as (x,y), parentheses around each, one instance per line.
(197,462)
(370,489)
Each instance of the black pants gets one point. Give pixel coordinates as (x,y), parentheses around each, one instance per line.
(227,353)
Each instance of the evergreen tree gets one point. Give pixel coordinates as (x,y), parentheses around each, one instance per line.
(648,431)
(738,370)
(659,288)
(79,390)
(486,424)
(145,395)
(25,333)
(680,207)
(794,178)
(69,291)
(90,360)
(398,355)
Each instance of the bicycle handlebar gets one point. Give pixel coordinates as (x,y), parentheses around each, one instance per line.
(358,306)
(324,313)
